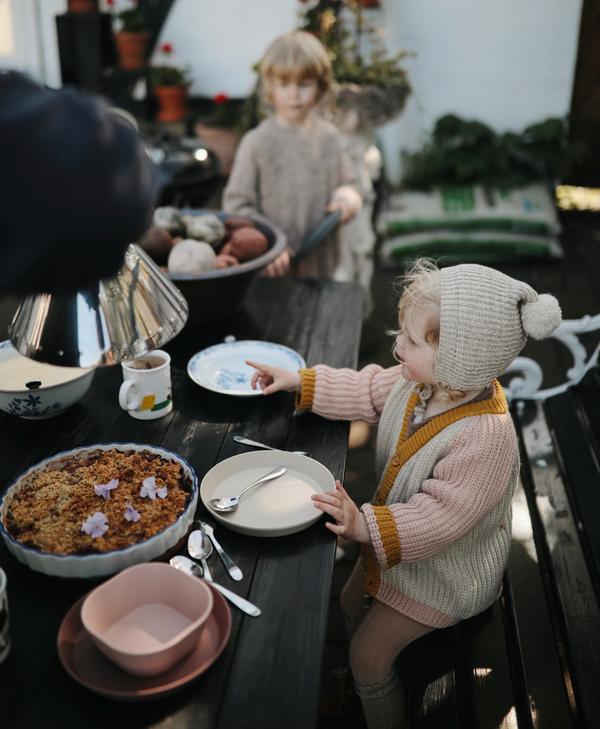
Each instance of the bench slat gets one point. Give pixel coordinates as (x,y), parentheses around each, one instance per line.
(542,698)
(490,673)
(429,667)
(568,574)
(588,396)
(574,445)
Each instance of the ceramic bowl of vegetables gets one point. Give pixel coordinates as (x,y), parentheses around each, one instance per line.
(211,256)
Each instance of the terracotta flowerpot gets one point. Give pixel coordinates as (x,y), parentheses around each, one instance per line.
(172,103)
(131,49)
(82,6)
(220,140)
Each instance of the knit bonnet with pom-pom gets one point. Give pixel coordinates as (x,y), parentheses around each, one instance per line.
(485,318)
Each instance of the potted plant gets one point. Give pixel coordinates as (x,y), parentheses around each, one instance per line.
(82,6)
(131,38)
(170,85)
(371,87)
(218,129)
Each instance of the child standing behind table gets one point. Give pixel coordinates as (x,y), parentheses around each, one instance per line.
(292,168)
(435,537)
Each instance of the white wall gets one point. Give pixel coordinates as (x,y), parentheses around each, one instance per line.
(31,26)
(222,39)
(506,63)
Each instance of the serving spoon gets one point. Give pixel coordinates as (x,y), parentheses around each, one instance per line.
(185,564)
(231,503)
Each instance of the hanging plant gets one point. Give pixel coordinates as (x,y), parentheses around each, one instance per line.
(371,83)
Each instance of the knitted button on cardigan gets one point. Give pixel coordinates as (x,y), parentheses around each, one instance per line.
(440,518)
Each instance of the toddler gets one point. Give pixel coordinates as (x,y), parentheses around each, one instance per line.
(436,535)
(292,167)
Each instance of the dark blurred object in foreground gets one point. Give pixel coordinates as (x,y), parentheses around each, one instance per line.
(76,187)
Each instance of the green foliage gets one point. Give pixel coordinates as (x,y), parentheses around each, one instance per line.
(169,76)
(344,31)
(132,20)
(463,152)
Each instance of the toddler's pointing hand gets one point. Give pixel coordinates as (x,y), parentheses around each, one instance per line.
(273,379)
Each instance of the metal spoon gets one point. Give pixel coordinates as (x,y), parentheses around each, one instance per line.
(199,547)
(256,444)
(231,503)
(234,571)
(185,564)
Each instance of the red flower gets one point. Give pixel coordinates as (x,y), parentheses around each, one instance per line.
(221,98)
(166,47)
(110,3)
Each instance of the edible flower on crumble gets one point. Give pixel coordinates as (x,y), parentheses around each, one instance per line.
(150,490)
(131,514)
(104,489)
(95,525)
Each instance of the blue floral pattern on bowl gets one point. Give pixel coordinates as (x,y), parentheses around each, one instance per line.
(33,400)
(30,406)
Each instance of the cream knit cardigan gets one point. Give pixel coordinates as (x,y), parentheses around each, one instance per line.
(440,520)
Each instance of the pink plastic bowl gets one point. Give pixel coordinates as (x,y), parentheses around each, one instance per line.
(148,617)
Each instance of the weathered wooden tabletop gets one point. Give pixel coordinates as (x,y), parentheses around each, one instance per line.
(268,675)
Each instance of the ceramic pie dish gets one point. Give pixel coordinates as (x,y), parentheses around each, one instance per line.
(100,563)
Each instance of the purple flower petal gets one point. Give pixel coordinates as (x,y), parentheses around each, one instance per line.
(104,489)
(131,514)
(150,490)
(95,525)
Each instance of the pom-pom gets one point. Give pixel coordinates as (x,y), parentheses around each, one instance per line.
(540,318)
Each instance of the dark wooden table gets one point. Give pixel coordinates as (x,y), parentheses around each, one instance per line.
(268,675)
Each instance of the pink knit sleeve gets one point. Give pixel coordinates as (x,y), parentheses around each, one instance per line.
(465,485)
(344,394)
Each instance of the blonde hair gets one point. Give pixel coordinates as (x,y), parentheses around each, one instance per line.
(296,56)
(421,290)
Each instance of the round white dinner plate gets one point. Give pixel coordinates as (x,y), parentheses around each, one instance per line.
(222,368)
(278,507)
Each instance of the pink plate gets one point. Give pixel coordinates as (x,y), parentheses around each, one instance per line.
(86,665)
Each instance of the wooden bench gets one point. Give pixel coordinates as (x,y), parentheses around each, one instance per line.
(532,661)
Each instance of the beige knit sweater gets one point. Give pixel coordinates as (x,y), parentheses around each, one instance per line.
(440,520)
(289,175)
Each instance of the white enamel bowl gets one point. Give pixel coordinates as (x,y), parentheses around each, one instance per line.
(39,402)
(105,563)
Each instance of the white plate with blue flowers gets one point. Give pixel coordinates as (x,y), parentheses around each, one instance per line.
(223,369)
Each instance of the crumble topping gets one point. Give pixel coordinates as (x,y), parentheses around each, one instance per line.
(51,505)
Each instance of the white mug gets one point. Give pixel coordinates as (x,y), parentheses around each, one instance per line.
(146,389)
(4,633)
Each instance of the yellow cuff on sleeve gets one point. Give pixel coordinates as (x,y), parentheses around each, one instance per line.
(308,381)
(388,531)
